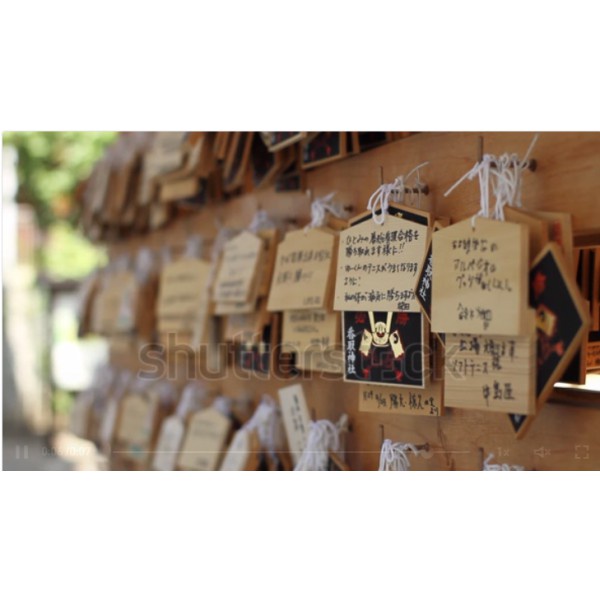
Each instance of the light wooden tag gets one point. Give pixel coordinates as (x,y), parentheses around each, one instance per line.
(427,402)
(205,438)
(235,308)
(303,270)
(537,227)
(169,443)
(560,231)
(109,316)
(270,239)
(309,330)
(238,270)
(480,278)
(183,290)
(378,265)
(325,362)
(136,421)
(493,373)
(243,453)
(260,285)
(296,419)
(165,154)
(561,321)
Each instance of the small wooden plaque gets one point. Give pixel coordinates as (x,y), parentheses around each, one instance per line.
(492,373)
(309,330)
(243,453)
(296,419)
(168,445)
(238,270)
(183,291)
(427,402)
(378,265)
(480,278)
(303,270)
(204,441)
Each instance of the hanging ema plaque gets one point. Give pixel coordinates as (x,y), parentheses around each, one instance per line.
(384,348)
(561,321)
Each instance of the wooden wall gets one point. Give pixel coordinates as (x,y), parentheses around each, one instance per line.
(566,435)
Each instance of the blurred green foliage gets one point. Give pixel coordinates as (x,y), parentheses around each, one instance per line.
(50,165)
(66,254)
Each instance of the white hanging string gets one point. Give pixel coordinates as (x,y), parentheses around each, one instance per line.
(394,456)
(505,178)
(380,199)
(323,436)
(166,391)
(192,399)
(343,426)
(266,421)
(488,466)
(481,170)
(319,209)
(223,405)
(165,255)
(261,221)
(529,150)
(223,236)
(144,264)
(193,246)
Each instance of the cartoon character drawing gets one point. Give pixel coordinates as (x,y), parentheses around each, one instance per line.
(380,336)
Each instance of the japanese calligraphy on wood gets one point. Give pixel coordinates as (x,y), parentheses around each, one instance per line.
(495,373)
(296,420)
(389,400)
(480,278)
(378,265)
(423,289)
(238,268)
(309,330)
(303,270)
(183,291)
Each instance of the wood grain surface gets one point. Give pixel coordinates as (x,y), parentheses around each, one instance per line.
(566,435)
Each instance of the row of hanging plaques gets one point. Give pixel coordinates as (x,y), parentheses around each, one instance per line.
(143,425)
(481,314)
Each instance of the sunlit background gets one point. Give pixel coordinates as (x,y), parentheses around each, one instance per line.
(45,259)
